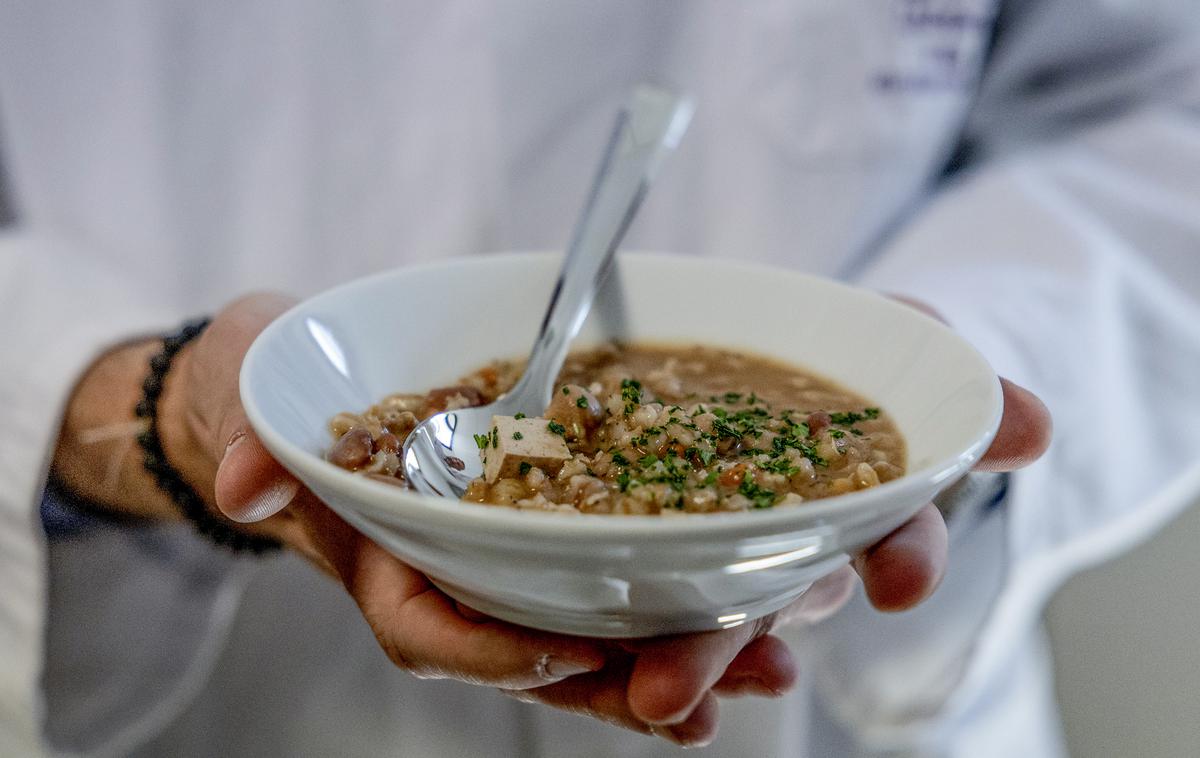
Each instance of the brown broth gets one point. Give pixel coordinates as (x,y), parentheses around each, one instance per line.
(648,429)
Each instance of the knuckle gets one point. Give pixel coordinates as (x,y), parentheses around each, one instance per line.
(398,657)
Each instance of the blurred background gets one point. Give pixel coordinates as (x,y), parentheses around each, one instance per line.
(1126,661)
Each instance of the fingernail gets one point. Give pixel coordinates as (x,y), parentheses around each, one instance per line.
(554,669)
(238,438)
(681,736)
(268,501)
(752,685)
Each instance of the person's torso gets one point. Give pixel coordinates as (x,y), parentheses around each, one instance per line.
(223,146)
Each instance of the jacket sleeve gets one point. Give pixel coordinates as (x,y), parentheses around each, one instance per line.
(60,311)
(1068,250)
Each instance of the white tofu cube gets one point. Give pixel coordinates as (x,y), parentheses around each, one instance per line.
(513,441)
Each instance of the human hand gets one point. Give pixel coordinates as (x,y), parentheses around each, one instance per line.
(666,686)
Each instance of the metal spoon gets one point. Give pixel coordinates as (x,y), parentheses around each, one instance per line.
(440,455)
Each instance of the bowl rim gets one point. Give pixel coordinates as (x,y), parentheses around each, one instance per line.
(393,502)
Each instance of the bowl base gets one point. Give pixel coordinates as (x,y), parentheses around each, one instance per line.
(616,625)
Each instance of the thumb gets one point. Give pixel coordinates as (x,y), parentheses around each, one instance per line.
(250,484)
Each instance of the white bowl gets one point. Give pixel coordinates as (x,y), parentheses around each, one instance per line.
(615,576)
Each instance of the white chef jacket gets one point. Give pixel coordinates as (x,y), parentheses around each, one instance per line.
(164,157)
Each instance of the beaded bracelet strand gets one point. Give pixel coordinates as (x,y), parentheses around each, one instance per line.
(165,475)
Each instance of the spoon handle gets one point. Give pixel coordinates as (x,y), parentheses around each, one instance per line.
(647,129)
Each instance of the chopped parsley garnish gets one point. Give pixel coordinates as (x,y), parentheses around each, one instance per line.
(556,428)
(705,456)
(799,444)
(519,416)
(565,391)
(779,466)
(525,467)
(850,418)
(619,459)
(723,429)
(518,436)
(631,393)
(482,440)
(667,473)
(581,402)
(762,498)
(495,437)
(732,397)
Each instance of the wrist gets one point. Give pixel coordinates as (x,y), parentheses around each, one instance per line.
(96,457)
(182,440)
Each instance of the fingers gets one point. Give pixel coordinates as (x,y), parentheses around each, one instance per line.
(240,322)
(599,695)
(764,668)
(220,350)
(1024,433)
(701,665)
(604,696)
(672,674)
(820,601)
(699,728)
(423,632)
(903,568)
(250,484)
(1026,428)
(214,364)
(906,566)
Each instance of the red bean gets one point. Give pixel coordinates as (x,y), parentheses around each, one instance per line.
(576,409)
(352,451)
(387,443)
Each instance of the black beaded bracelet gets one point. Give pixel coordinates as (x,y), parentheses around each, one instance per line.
(165,475)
